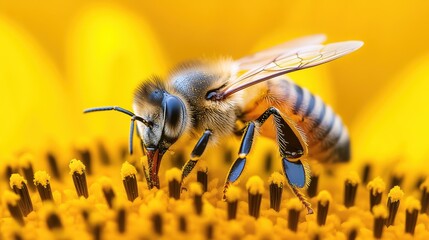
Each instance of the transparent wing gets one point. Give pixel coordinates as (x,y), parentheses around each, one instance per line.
(290,60)
(254,60)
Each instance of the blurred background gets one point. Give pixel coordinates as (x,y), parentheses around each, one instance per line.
(60,57)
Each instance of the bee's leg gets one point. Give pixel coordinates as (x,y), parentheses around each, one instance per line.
(288,136)
(291,150)
(239,164)
(196,154)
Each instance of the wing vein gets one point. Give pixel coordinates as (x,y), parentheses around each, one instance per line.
(275,62)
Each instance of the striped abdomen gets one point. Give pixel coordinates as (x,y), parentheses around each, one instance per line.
(326,136)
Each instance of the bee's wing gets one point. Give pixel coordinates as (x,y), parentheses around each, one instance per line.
(289,60)
(251,61)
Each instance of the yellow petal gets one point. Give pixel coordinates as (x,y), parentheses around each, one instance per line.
(395,124)
(109,52)
(32,98)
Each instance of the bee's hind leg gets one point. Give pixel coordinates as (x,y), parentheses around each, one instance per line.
(292,148)
(239,164)
(195,155)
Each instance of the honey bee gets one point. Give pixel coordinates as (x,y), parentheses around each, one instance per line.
(208,98)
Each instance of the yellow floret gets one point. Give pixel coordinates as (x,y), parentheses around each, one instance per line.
(96,218)
(119,203)
(196,188)
(264,228)
(315,231)
(183,209)
(412,204)
(324,197)
(156,206)
(395,194)
(209,211)
(398,172)
(234,231)
(105,182)
(47,209)
(377,185)
(255,185)
(353,223)
(294,203)
(76,166)
(316,169)
(173,174)
(128,170)
(425,184)
(380,211)
(353,178)
(202,166)
(82,143)
(233,194)
(16,180)
(42,178)
(276,178)
(25,160)
(10,198)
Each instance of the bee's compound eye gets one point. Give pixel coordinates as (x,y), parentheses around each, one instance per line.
(174,111)
(211,95)
(156,96)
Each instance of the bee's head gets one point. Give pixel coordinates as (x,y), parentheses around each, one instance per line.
(167,119)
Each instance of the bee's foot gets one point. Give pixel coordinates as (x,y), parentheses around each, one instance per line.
(225,190)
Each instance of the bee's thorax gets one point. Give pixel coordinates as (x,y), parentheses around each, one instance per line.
(194,82)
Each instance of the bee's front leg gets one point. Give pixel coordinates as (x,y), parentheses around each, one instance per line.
(239,164)
(196,154)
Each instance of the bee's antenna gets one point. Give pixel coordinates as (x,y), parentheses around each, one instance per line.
(129,113)
(119,109)
(131,136)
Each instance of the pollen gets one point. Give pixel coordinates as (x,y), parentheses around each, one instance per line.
(128,170)
(233,194)
(17,180)
(324,197)
(376,186)
(76,166)
(129,179)
(173,174)
(395,194)
(353,178)
(412,204)
(277,179)
(380,211)
(42,178)
(255,185)
(294,204)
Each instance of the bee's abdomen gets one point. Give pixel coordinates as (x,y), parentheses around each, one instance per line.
(327,137)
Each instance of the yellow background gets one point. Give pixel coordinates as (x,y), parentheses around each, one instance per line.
(59,57)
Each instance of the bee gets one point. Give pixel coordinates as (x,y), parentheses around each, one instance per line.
(208,99)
